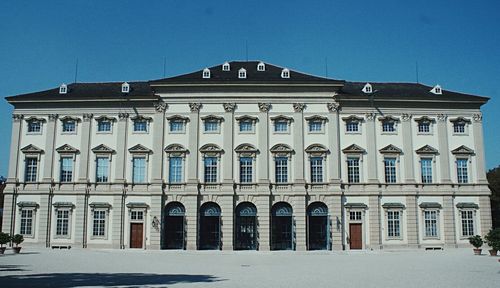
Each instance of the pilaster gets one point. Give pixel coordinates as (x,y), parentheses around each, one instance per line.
(408,154)
(263,222)
(450,235)
(50,140)
(477,126)
(298,143)
(299,212)
(485,214)
(412,221)
(334,142)
(158,142)
(228,143)
(79,214)
(193,160)
(15,139)
(227,221)
(375,232)
(155,214)
(444,150)
(371,148)
(121,148)
(263,142)
(335,212)
(192,207)
(85,148)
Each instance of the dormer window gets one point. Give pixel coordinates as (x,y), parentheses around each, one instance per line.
(285,73)
(125,87)
(226,67)
(261,67)
(242,73)
(206,73)
(367,88)
(63,89)
(437,90)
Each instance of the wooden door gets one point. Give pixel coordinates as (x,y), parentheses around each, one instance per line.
(136,235)
(355,236)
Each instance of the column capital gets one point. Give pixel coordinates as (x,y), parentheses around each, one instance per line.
(53,117)
(160,106)
(299,107)
(333,106)
(87,117)
(370,116)
(406,117)
(17,117)
(229,107)
(122,116)
(264,107)
(195,107)
(478,117)
(442,117)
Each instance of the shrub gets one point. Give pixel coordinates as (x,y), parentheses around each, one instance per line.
(476,241)
(18,239)
(4,238)
(493,239)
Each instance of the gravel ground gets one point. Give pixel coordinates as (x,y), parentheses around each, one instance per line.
(138,268)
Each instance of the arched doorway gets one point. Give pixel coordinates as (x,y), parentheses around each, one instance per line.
(174,226)
(246,227)
(281,226)
(318,234)
(209,229)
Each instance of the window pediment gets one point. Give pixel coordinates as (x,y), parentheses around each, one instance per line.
(425,119)
(430,205)
(317,149)
(281,149)
(467,205)
(212,118)
(28,204)
(211,149)
(316,118)
(393,206)
(464,150)
(104,118)
(31,149)
(460,120)
(353,149)
(388,118)
(176,148)
(282,118)
(246,118)
(427,149)
(390,149)
(137,205)
(103,149)
(141,118)
(178,118)
(352,118)
(100,205)
(139,149)
(356,206)
(246,148)
(59,205)
(67,149)
(69,118)
(35,119)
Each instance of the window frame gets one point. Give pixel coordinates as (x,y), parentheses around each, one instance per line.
(400,221)
(69,222)
(425,221)
(108,170)
(28,157)
(350,180)
(65,122)
(472,223)
(286,175)
(106,225)
(459,176)
(141,120)
(61,160)
(139,156)
(213,167)
(32,219)
(181,174)
(32,121)
(250,168)
(432,160)
(102,120)
(321,167)
(391,179)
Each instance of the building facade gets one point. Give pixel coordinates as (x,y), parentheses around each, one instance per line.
(247,155)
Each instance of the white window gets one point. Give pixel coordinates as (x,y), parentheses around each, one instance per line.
(136,215)
(285,73)
(246,169)
(353,170)
(211,126)
(459,128)
(177,126)
(351,126)
(226,67)
(139,169)
(242,73)
(31,169)
(424,127)
(315,126)
(206,73)
(175,169)
(426,170)
(261,67)
(62,222)
(26,225)
(390,170)
(393,224)
(34,127)
(280,126)
(210,173)
(388,126)
(99,223)
(246,126)
(104,125)
(102,169)
(462,173)
(140,125)
(355,215)
(281,169)
(431,223)
(66,173)
(316,169)
(69,126)
(467,218)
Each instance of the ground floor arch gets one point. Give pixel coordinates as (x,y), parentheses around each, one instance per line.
(318,232)
(174,226)
(209,227)
(282,237)
(245,232)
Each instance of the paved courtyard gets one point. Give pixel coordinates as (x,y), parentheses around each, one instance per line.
(138,268)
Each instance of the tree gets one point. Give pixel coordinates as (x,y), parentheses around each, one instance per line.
(493,177)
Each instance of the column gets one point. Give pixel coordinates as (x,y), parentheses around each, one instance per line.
(15,139)
(477,127)
(50,140)
(444,150)
(449,221)
(408,154)
(374,212)
(228,142)
(192,173)
(121,148)
(371,148)
(334,142)
(85,147)
(298,144)
(263,157)
(412,221)
(158,142)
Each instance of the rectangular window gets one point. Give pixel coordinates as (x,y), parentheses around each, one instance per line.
(136,215)
(280,126)
(210,170)
(34,127)
(352,126)
(467,223)
(246,126)
(462,174)
(430,222)
(175,170)
(388,126)
(31,169)
(62,222)
(211,126)
(139,169)
(26,227)
(66,169)
(140,126)
(102,169)
(104,126)
(353,170)
(390,170)
(315,126)
(355,215)
(426,170)
(281,169)
(393,224)
(69,126)
(177,126)
(316,169)
(99,224)
(246,168)
(459,128)
(424,127)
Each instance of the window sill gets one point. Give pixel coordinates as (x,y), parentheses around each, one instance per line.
(316,132)
(140,132)
(281,132)
(104,132)
(176,132)
(460,134)
(33,133)
(246,132)
(69,133)
(353,133)
(389,133)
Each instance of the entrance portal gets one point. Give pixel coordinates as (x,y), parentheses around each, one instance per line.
(317,224)
(209,231)
(246,227)
(281,227)
(174,226)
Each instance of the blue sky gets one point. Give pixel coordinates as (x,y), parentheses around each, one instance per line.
(456,44)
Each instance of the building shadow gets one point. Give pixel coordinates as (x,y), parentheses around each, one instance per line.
(11,268)
(68,280)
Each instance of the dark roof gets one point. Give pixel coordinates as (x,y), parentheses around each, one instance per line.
(272,74)
(89,91)
(409,91)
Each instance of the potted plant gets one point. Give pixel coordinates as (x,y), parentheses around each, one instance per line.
(4,239)
(17,239)
(493,240)
(477,242)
